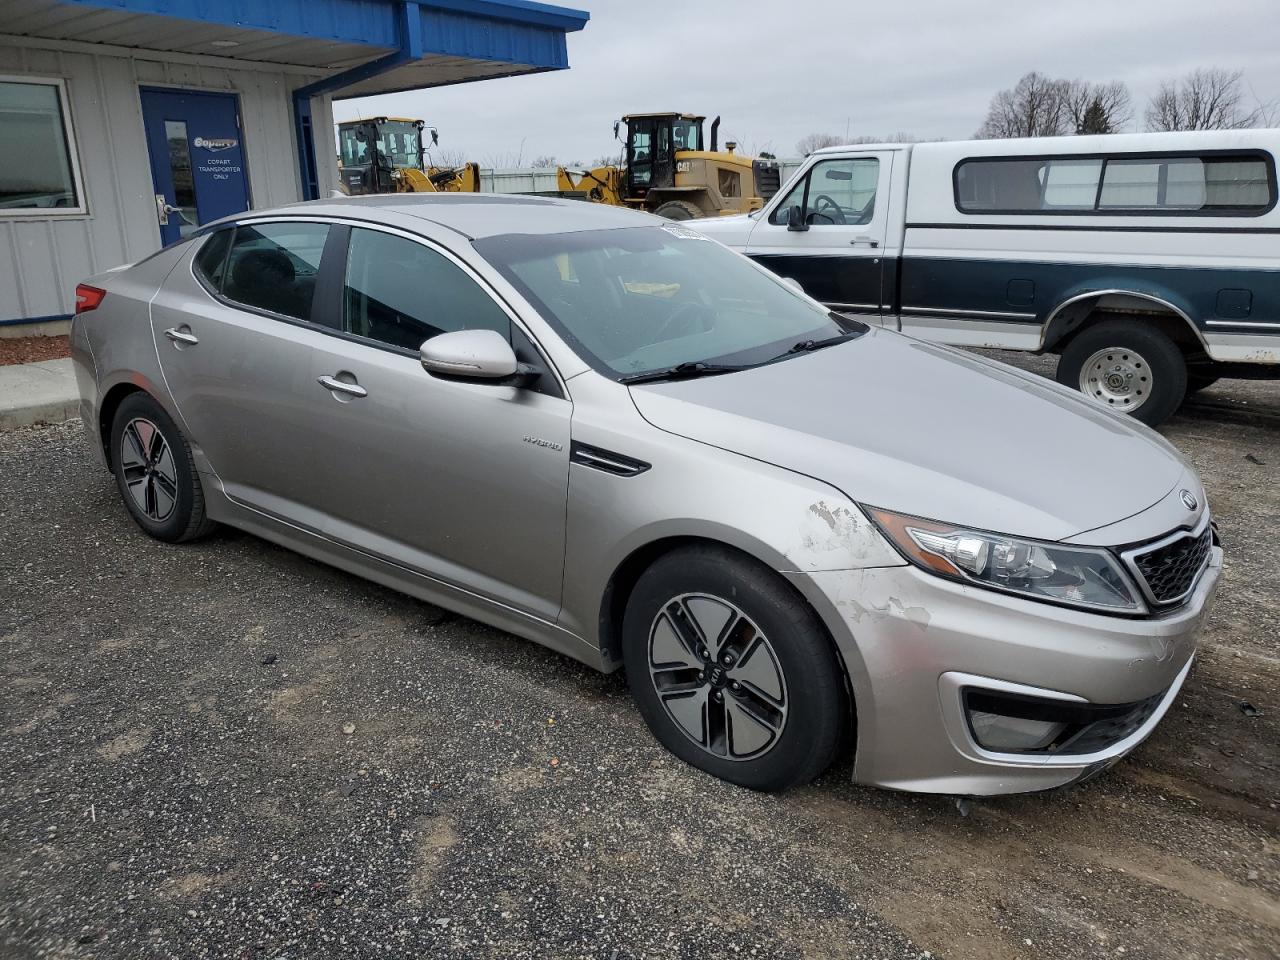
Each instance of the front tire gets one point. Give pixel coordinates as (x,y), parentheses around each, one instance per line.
(1126,366)
(732,670)
(155,472)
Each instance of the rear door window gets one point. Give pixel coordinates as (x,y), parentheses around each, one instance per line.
(211,261)
(275,266)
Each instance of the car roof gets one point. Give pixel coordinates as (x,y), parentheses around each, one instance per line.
(475,215)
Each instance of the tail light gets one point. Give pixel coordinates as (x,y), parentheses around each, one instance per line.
(88,298)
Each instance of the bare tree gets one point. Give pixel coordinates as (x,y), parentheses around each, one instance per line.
(1033,108)
(1096,107)
(1208,98)
(446,158)
(816,141)
(543,162)
(900,136)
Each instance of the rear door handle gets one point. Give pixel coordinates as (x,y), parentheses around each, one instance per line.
(341,386)
(182,336)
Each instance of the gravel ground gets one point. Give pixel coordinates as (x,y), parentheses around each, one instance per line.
(226,750)
(33,349)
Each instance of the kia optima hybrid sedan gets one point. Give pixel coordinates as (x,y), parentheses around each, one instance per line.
(608,434)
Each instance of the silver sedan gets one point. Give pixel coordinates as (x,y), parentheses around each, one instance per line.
(610,435)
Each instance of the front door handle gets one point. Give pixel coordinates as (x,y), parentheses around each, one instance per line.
(185,337)
(869,241)
(341,386)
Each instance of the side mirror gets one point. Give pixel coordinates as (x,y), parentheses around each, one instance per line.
(470,355)
(793,283)
(795,219)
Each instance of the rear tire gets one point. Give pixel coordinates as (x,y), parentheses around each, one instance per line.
(1126,366)
(732,670)
(678,210)
(155,472)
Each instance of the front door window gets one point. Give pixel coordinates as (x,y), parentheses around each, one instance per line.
(834,193)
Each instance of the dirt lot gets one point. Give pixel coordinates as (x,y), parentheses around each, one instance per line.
(32,349)
(225,750)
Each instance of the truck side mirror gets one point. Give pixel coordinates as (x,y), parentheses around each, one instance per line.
(795,219)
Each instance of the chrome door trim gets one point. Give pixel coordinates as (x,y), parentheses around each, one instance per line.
(1244,323)
(955,311)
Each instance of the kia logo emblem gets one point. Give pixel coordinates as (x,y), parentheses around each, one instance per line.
(1189,499)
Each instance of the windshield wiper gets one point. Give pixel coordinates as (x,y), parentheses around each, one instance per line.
(807,346)
(683,371)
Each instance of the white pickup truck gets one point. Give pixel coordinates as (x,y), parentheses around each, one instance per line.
(1149,262)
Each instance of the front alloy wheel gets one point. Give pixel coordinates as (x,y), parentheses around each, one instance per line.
(717,648)
(717,676)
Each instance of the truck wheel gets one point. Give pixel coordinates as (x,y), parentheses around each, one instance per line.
(1127,366)
(678,210)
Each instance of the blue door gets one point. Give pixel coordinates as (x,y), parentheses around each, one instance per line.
(197,158)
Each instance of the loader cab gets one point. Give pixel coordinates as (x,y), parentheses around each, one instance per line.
(653,139)
(370,151)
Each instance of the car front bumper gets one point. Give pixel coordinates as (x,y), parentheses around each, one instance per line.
(914,643)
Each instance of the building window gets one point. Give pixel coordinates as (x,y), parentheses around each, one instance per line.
(1211,184)
(39,172)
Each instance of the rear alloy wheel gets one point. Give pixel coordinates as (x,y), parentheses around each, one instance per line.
(1128,367)
(155,472)
(717,650)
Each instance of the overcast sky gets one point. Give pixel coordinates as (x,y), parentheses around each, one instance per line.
(777,70)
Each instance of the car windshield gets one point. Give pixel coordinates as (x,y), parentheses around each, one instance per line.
(644,299)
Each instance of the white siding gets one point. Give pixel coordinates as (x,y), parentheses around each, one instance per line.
(42,258)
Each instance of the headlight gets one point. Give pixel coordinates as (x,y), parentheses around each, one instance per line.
(1078,576)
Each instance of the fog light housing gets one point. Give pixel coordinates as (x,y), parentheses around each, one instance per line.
(1003,734)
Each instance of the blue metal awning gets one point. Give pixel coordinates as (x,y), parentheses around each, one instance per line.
(358,47)
(326,34)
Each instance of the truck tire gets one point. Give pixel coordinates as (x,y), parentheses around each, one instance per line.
(678,210)
(1127,366)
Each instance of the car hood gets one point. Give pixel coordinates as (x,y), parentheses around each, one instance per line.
(922,429)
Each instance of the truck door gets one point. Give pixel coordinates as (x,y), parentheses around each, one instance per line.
(835,245)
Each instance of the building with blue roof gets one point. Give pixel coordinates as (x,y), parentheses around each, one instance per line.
(124,124)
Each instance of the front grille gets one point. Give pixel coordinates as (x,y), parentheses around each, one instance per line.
(1171,570)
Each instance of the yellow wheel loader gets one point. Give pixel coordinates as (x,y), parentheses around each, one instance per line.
(666,171)
(388,155)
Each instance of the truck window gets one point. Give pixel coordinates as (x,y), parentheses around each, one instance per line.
(834,193)
(1196,184)
(1223,185)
